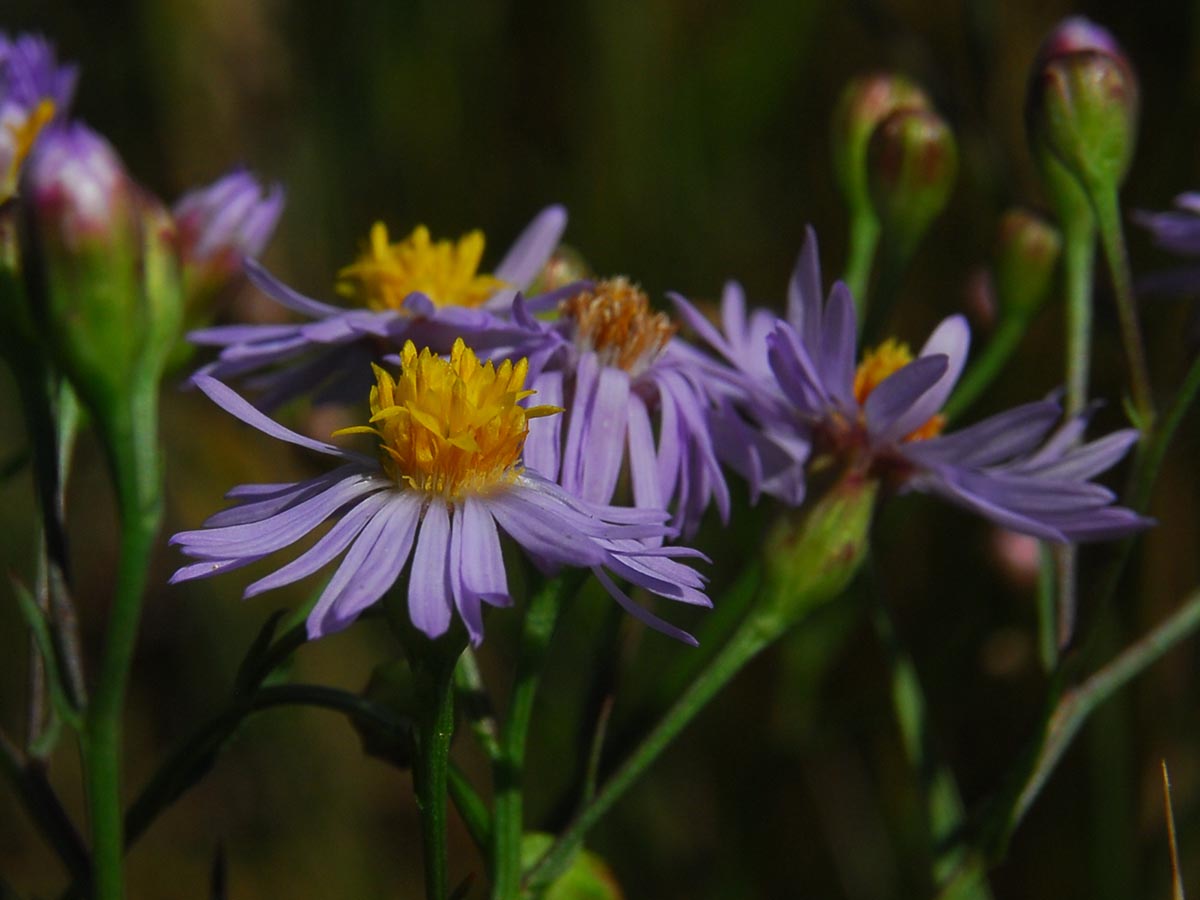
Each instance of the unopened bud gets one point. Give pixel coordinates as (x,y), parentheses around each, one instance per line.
(912,162)
(99,262)
(565,266)
(1082,104)
(812,553)
(864,103)
(1027,252)
(222,224)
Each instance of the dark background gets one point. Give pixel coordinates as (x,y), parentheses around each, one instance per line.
(690,143)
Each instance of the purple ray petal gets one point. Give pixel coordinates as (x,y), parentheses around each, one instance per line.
(524,261)
(641,614)
(896,394)
(284,295)
(543,443)
(429,591)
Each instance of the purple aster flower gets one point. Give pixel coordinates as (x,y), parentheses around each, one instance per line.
(617,368)
(882,417)
(447,481)
(34,89)
(1176,231)
(222,223)
(430,292)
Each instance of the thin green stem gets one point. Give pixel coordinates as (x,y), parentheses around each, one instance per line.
(991,362)
(895,257)
(45,810)
(747,642)
(430,776)
(1047,609)
(943,804)
(473,697)
(1112,236)
(471,807)
(131,437)
(1079,260)
(864,239)
(509,770)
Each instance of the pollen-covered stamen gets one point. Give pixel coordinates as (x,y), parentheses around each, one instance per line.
(614,319)
(447,272)
(877,365)
(451,427)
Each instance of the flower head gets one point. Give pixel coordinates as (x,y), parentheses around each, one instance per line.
(618,369)
(419,289)
(34,88)
(881,416)
(447,481)
(446,272)
(222,223)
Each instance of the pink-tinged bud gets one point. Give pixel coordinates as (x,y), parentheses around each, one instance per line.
(912,161)
(223,223)
(1027,252)
(1082,105)
(98,259)
(78,192)
(864,103)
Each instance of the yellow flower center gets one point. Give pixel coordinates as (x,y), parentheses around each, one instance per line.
(444,271)
(23,133)
(450,427)
(614,319)
(877,365)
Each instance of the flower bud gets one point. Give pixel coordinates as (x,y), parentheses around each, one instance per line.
(221,224)
(864,103)
(565,266)
(812,553)
(1082,104)
(1027,251)
(912,161)
(99,263)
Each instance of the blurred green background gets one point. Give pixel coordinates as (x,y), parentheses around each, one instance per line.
(689,141)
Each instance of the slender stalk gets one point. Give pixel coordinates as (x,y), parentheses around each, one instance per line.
(1047,610)
(471,807)
(864,239)
(1112,236)
(509,769)
(745,644)
(45,810)
(944,806)
(472,694)
(131,437)
(430,777)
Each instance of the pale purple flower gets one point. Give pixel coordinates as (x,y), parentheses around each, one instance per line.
(453,541)
(634,397)
(220,224)
(327,353)
(30,73)
(1015,468)
(1176,231)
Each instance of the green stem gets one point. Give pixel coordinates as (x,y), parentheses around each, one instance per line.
(895,257)
(45,810)
(471,807)
(1079,260)
(536,631)
(131,438)
(430,775)
(1047,609)
(473,696)
(991,362)
(747,642)
(944,806)
(864,239)
(1112,236)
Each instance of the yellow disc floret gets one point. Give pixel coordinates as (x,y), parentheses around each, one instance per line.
(877,365)
(445,271)
(614,319)
(451,427)
(21,135)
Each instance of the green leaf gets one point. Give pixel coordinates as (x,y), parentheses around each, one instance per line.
(63,708)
